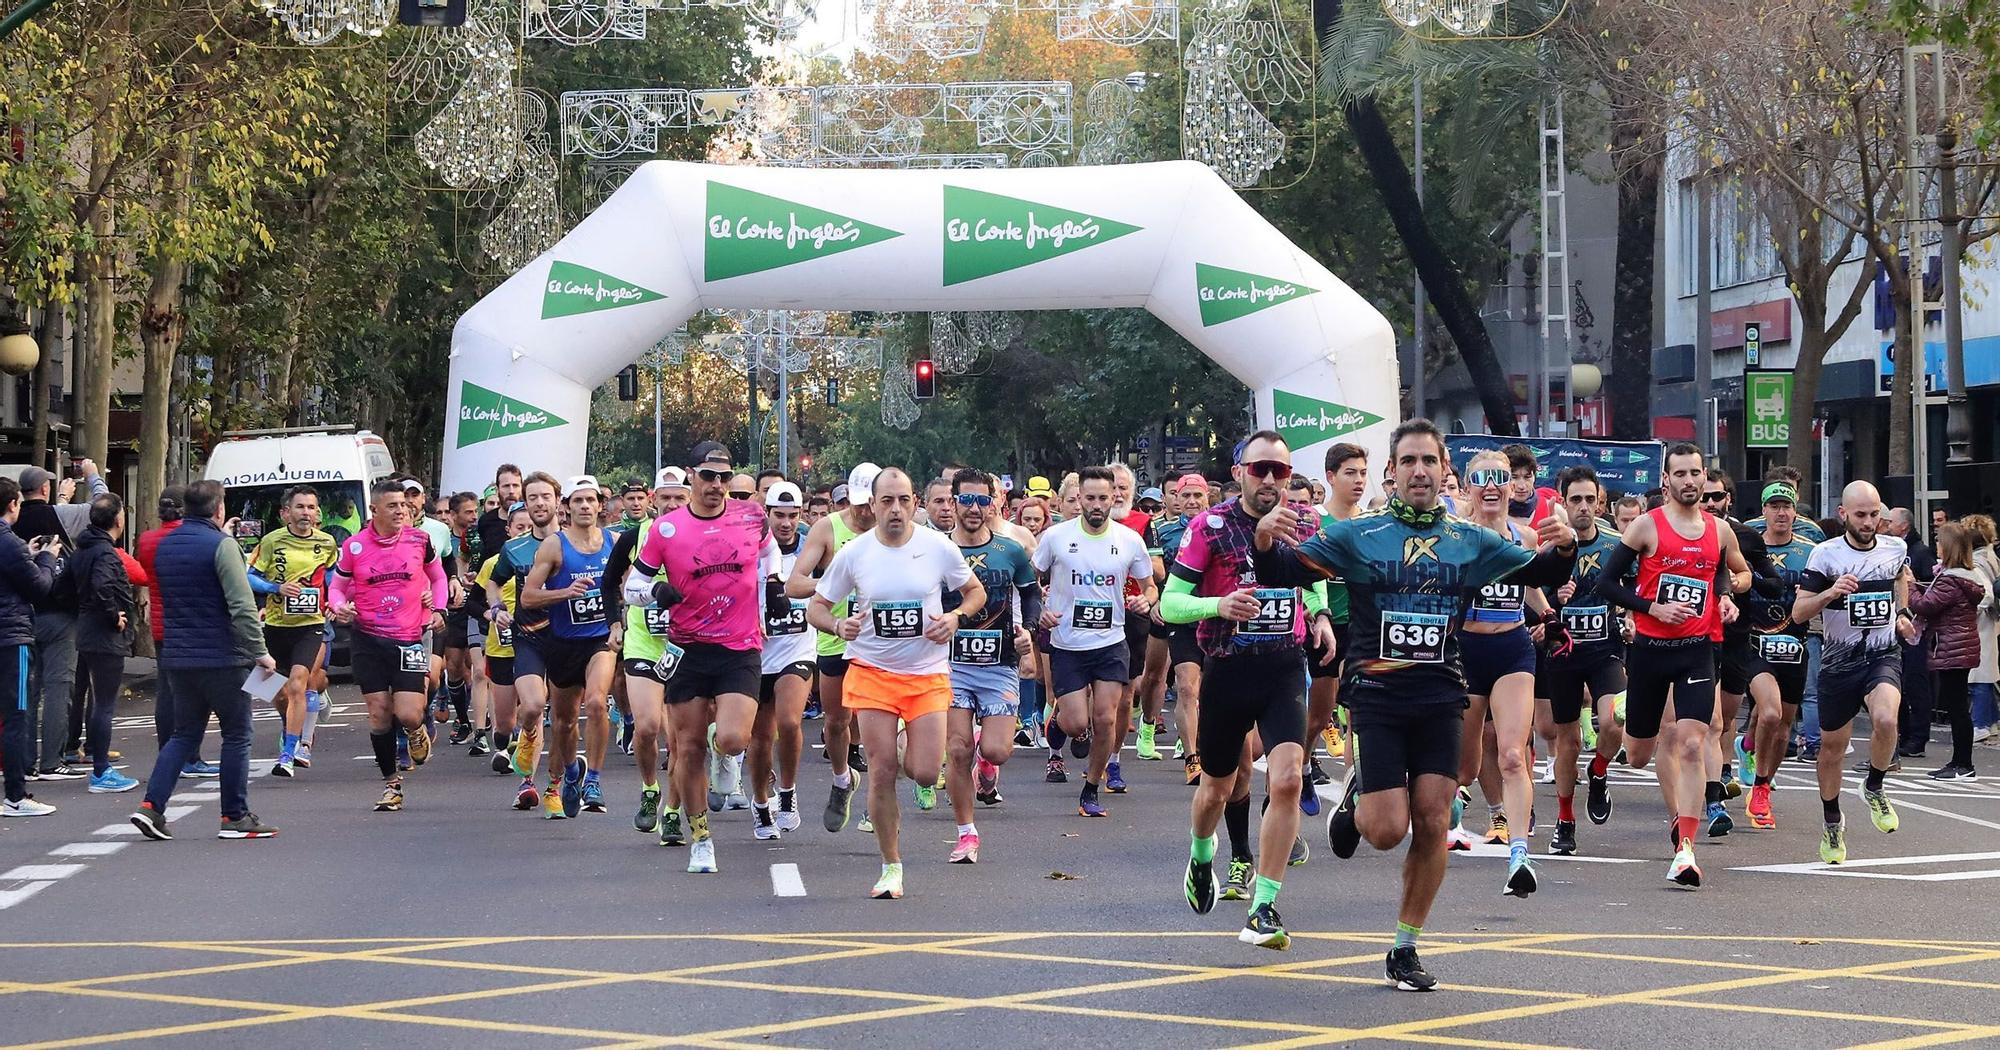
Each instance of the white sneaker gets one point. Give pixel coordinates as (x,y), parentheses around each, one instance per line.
(27,807)
(1548,774)
(701,857)
(1981,734)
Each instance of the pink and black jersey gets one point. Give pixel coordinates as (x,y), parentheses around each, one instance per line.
(395,582)
(1215,557)
(714,563)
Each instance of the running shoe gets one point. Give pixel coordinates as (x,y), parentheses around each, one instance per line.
(303,757)
(460,733)
(200,770)
(926,796)
(1315,775)
(1300,852)
(525,795)
(1237,886)
(890,886)
(671,833)
(1341,834)
(1719,823)
(864,825)
(857,759)
(1497,834)
(1588,724)
(420,745)
(1308,797)
(593,796)
(1746,763)
(1054,731)
(527,751)
(985,780)
(1459,840)
(1023,736)
(647,820)
(839,800)
(1114,781)
(552,803)
(788,811)
(1548,771)
(1563,842)
(1809,752)
(1056,774)
(1684,871)
(701,856)
(967,850)
(1406,973)
(1191,765)
(764,826)
(111,782)
(1264,929)
(1832,843)
(282,768)
(572,787)
(1147,750)
(63,771)
(1086,802)
(503,760)
(1520,876)
(812,708)
(1331,737)
(1760,807)
(392,797)
(482,745)
(246,826)
(150,822)
(1199,885)
(1880,811)
(1953,772)
(1598,805)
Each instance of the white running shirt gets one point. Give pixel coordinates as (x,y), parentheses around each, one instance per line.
(1866,619)
(787,638)
(896,591)
(1087,577)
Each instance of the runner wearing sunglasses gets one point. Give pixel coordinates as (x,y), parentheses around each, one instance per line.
(1499,657)
(1410,569)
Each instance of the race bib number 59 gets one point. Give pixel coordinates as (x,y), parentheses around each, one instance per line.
(1091,616)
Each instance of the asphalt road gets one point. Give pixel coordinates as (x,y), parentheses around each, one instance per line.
(460,922)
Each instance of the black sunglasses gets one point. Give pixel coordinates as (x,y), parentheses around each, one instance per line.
(1714,497)
(706,474)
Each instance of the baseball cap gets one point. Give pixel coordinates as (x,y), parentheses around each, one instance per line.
(670,478)
(784,494)
(714,455)
(582,481)
(1778,490)
(861,482)
(33,478)
(1039,486)
(1191,481)
(491,491)
(1153,494)
(413,485)
(635,485)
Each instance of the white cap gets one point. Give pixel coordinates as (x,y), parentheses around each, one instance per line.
(582,481)
(861,483)
(412,485)
(784,494)
(670,478)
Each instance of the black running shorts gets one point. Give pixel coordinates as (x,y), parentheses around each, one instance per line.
(1261,691)
(1658,667)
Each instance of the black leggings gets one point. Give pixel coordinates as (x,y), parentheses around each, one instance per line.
(106,673)
(1954,698)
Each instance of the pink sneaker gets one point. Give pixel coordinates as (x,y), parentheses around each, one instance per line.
(988,777)
(968,849)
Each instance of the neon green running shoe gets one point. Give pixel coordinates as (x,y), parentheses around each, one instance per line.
(1589,724)
(1833,844)
(1147,751)
(1237,886)
(926,797)
(1880,811)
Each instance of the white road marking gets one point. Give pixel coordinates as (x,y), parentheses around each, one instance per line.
(117,829)
(1903,803)
(9,898)
(177,812)
(786,882)
(1487,851)
(26,872)
(89,849)
(1855,869)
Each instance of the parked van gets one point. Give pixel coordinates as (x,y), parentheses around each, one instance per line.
(256,467)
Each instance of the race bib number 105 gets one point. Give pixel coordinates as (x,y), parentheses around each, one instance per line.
(976,648)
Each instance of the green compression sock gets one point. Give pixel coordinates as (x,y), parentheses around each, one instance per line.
(1265,892)
(1406,935)
(1201,848)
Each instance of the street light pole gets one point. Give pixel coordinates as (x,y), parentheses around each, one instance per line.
(1417,340)
(1958,408)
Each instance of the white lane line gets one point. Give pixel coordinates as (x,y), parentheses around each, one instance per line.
(116,829)
(1491,852)
(786,882)
(9,898)
(1904,803)
(1877,862)
(89,849)
(177,812)
(26,872)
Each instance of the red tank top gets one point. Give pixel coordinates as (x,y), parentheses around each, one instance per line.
(1681,570)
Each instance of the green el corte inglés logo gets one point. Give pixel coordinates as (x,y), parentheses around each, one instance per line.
(1302,420)
(573,289)
(750,232)
(484,415)
(986,233)
(1227,294)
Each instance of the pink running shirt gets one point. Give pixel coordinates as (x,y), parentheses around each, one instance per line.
(714,563)
(394,582)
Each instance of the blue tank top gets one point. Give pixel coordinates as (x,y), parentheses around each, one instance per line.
(581,617)
(1497,602)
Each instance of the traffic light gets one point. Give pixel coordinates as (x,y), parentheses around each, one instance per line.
(628,383)
(806,463)
(926,380)
(431,12)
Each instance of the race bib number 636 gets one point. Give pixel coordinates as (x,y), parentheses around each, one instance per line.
(1414,637)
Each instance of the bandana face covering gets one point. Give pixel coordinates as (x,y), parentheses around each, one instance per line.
(1411,516)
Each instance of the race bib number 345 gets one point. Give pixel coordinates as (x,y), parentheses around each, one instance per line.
(1414,637)
(897,619)
(1277,608)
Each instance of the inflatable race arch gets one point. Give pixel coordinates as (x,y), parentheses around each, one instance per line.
(677,238)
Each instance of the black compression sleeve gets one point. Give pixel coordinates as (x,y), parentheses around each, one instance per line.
(1031,604)
(1549,568)
(1610,584)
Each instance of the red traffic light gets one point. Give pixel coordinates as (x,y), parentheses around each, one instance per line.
(925,380)
(924,369)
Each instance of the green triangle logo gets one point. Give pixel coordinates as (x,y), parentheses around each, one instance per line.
(484,415)
(1227,294)
(985,233)
(750,232)
(573,289)
(1303,420)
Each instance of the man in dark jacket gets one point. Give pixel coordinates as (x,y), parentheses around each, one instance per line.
(492,525)
(212,638)
(55,615)
(27,571)
(103,632)
(171,499)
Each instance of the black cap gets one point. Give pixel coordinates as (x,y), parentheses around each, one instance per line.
(635,486)
(713,455)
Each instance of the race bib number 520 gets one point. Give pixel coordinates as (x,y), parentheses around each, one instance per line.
(304,603)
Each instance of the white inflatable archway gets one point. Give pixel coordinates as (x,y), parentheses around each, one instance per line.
(678,238)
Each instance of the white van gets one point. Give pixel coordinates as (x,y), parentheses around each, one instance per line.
(256,467)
